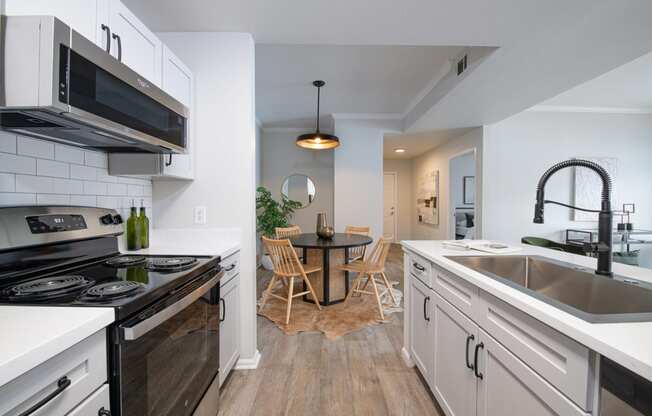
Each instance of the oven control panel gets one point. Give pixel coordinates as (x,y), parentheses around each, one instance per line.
(54,223)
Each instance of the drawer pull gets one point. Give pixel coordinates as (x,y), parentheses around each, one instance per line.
(425,308)
(466,354)
(475,361)
(103,412)
(419,267)
(230,267)
(62,384)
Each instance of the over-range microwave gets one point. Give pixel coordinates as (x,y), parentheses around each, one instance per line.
(57,85)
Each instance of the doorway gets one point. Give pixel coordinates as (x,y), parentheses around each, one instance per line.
(462,196)
(390,206)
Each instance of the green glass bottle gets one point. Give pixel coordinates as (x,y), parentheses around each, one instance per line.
(144,226)
(133,229)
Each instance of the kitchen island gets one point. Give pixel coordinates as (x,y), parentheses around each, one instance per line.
(504,337)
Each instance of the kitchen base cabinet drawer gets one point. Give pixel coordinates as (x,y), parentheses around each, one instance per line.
(231,266)
(506,386)
(460,293)
(68,378)
(420,268)
(563,362)
(94,404)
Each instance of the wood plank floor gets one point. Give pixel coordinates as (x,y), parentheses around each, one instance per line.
(306,374)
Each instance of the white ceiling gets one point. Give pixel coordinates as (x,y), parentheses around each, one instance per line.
(626,87)
(417,144)
(359,79)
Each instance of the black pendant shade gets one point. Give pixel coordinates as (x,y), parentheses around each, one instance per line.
(318,140)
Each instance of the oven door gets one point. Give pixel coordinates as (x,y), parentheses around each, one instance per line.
(166,357)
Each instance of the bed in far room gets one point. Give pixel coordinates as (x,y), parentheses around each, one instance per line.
(464,223)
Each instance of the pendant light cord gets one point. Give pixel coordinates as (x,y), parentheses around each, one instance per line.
(318,97)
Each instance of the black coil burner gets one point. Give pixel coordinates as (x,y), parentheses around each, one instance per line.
(45,288)
(171,264)
(126,261)
(112,290)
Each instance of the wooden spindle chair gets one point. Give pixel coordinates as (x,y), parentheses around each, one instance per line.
(368,268)
(287,232)
(357,253)
(287,267)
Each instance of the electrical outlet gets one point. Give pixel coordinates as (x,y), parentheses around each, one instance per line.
(199,215)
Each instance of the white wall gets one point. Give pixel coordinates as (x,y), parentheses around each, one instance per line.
(39,172)
(358,173)
(225,158)
(519,149)
(404,212)
(281,157)
(438,159)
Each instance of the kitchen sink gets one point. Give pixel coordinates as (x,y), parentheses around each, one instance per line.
(576,290)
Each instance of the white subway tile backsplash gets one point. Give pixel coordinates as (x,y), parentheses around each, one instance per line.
(103,176)
(10,199)
(7,142)
(34,184)
(52,168)
(7,182)
(83,172)
(17,164)
(39,172)
(52,199)
(85,200)
(36,148)
(117,189)
(98,160)
(67,186)
(68,154)
(94,188)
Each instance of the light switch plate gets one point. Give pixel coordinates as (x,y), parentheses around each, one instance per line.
(199,215)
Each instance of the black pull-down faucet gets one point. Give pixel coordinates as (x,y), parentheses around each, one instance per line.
(603,248)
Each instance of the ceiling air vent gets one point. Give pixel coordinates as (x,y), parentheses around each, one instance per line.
(461,65)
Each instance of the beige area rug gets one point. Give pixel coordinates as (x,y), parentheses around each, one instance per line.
(334,320)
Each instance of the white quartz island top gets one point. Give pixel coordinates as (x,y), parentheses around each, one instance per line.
(628,344)
(33,335)
(191,242)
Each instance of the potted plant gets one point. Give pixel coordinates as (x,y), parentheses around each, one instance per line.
(271,214)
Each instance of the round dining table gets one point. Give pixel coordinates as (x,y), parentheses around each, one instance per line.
(316,251)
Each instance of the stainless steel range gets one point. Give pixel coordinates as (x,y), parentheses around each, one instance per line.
(164,345)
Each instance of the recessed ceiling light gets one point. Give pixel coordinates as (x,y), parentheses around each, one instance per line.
(400,150)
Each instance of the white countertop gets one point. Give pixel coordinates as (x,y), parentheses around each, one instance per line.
(192,242)
(33,335)
(628,344)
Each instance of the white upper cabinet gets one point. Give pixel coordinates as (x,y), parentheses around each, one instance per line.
(132,42)
(81,15)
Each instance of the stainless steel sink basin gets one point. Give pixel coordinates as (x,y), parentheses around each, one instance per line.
(573,289)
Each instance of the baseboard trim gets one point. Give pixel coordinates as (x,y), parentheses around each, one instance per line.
(405,355)
(248,363)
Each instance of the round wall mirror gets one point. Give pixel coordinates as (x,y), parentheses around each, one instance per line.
(299,188)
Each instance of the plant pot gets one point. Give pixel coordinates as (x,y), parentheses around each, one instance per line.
(266,262)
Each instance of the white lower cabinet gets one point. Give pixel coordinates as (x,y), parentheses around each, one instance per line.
(96,405)
(509,387)
(229,325)
(422,335)
(454,379)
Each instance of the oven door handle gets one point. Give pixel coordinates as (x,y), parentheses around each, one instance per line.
(146,325)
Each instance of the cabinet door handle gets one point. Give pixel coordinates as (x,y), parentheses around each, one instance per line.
(425,308)
(230,267)
(169,161)
(107,29)
(119,40)
(475,361)
(103,412)
(62,384)
(466,354)
(223,308)
(419,267)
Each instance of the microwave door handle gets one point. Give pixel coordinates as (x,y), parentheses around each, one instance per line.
(149,323)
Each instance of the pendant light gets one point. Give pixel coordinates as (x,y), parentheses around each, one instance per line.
(318,140)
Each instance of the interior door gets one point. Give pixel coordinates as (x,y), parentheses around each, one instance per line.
(454,383)
(139,48)
(422,328)
(389,205)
